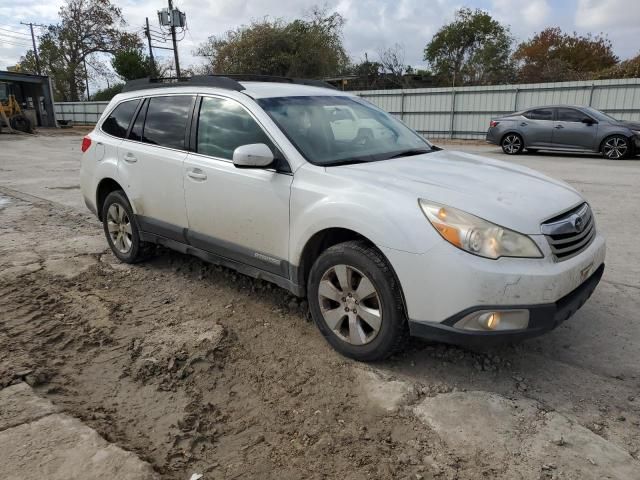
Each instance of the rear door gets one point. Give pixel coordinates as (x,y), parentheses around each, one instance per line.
(238,213)
(537,127)
(150,164)
(570,132)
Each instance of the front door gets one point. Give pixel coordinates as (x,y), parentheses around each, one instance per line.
(570,132)
(239,213)
(150,164)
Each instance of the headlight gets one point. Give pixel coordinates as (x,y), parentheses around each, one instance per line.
(476,235)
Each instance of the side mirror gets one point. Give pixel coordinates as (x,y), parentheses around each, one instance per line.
(588,121)
(254,155)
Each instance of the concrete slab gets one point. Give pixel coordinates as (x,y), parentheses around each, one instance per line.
(58,447)
(18,405)
(523,440)
(37,443)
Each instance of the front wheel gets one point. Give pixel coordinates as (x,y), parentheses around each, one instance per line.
(122,230)
(616,147)
(356,303)
(512,144)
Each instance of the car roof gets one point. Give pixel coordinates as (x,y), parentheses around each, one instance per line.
(252,89)
(554,106)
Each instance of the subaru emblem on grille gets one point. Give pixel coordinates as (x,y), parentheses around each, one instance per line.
(578,223)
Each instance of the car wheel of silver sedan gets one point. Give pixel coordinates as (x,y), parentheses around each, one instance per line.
(512,144)
(356,303)
(615,148)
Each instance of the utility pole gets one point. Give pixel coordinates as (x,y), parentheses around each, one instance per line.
(173,39)
(148,34)
(86,78)
(33,41)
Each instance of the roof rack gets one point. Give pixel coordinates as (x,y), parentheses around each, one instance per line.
(229,82)
(197,80)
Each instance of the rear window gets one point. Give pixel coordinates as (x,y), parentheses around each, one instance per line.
(540,114)
(166,121)
(117,123)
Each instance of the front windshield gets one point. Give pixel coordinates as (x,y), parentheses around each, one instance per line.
(329,130)
(600,115)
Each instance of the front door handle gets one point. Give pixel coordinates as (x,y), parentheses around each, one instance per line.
(197,174)
(523,124)
(559,126)
(130,158)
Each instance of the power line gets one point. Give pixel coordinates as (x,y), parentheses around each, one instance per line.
(15,44)
(16,33)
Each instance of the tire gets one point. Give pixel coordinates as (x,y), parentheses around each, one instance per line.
(122,230)
(616,147)
(378,327)
(21,123)
(512,144)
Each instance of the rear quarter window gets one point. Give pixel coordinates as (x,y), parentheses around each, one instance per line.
(117,123)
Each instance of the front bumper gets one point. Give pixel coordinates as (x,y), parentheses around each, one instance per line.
(542,318)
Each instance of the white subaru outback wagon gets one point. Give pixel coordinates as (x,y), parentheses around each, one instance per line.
(328,196)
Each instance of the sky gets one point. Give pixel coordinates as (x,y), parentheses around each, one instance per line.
(370,24)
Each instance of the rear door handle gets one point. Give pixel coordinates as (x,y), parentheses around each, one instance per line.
(559,126)
(130,158)
(197,174)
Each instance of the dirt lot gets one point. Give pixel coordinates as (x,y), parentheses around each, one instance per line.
(198,369)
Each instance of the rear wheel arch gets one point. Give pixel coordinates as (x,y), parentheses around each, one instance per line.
(630,146)
(105,187)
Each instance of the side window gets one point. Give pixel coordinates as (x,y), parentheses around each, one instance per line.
(224,125)
(570,115)
(166,121)
(540,114)
(138,124)
(117,123)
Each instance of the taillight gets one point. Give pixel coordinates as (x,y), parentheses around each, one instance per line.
(86,143)
(493,123)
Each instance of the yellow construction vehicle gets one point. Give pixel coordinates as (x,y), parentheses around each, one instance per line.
(10,112)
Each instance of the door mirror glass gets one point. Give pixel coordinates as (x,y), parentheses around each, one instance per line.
(254,155)
(588,121)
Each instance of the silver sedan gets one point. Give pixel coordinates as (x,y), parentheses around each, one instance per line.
(567,128)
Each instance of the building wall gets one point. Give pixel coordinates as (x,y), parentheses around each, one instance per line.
(461,112)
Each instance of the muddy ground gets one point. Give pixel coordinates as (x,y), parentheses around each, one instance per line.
(198,369)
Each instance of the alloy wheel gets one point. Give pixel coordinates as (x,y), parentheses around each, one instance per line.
(119,226)
(615,147)
(512,144)
(350,304)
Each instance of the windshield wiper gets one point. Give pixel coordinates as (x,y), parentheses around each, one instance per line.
(410,152)
(346,161)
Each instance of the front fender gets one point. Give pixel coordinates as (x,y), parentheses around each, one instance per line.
(388,218)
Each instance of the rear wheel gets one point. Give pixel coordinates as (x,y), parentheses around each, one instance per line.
(122,230)
(356,303)
(512,144)
(616,147)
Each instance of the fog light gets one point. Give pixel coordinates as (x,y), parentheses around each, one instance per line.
(490,321)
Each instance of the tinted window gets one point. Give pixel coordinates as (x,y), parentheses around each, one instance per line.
(570,115)
(540,114)
(166,121)
(117,123)
(138,124)
(223,125)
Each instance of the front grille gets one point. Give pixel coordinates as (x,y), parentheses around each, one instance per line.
(570,233)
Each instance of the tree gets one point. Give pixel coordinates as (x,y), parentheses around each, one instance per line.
(474,49)
(552,56)
(626,69)
(309,48)
(392,62)
(86,27)
(132,63)
(108,93)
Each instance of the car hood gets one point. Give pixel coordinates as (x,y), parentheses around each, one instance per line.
(506,194)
